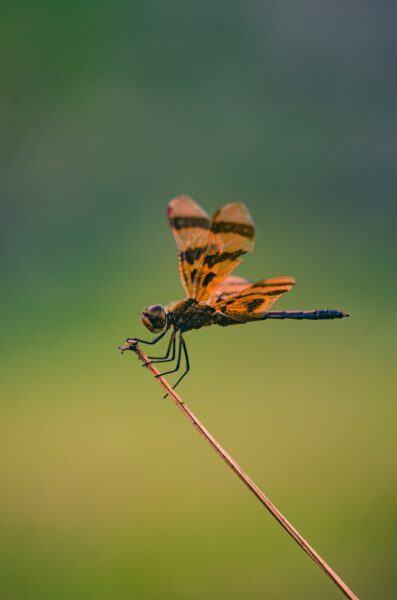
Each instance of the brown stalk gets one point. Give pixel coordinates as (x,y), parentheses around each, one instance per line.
(290,529)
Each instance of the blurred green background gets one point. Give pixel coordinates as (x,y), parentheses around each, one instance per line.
(107,110)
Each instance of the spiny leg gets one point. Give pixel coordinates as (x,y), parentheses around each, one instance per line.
(130,342)
(167,358)
(178,362)
(187,369)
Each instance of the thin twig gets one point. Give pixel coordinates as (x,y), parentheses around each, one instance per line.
(244,477)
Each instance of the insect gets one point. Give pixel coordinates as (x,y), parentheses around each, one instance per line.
(208,252)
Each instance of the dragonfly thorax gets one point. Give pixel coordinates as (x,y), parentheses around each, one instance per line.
(189,314)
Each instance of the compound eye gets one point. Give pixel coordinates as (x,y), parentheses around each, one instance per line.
(155,308)
(154,318)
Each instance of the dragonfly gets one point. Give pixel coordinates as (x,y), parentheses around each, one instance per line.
(208,252)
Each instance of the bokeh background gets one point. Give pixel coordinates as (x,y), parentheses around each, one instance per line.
(107,110)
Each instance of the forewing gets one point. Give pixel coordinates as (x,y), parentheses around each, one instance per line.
(190,227)
(255,300)
(231,236)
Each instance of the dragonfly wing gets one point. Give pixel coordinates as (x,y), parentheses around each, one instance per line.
(230,286)
(190,227)
(231,236)
(254,301)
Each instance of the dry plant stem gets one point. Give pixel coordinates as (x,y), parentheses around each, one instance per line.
(246,480)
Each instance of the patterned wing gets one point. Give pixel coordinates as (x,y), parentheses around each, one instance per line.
(190,227)
(255,300)
(231,236)
(229,288)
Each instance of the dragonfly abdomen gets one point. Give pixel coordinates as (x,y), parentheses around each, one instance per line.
(314,315)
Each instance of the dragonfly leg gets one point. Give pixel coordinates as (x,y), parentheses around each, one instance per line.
(131,342)
(187,369)
(170,350)
(178,362)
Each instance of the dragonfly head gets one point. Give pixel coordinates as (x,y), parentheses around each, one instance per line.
(154,318)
